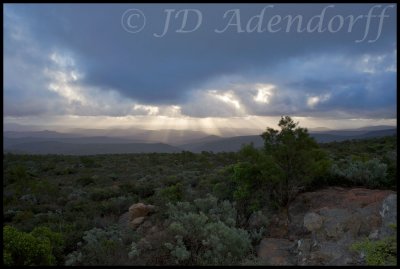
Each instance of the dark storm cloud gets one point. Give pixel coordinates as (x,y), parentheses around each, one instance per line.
(166,70)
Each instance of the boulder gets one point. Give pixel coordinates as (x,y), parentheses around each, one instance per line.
(335,220)
(312,221)
(278,225)
(275,251)
(140,210)
(331,253)
(136,222)
(388,213)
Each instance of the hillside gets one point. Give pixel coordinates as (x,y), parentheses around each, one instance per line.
(235,143)
(47,142)
(54,147)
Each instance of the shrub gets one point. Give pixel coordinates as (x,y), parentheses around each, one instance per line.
(56,241)
(85,180)
(88,161)
(17,173)
(205,233)
(116,205)
(99,247)
(172,193)
(22,248)
(23,216)
(371,173)
(99,194)
(381,252)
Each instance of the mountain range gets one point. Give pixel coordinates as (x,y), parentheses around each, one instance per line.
(162,141)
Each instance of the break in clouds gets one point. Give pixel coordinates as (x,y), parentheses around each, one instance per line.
(78,60)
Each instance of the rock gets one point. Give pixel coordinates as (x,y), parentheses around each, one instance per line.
(312,221)
(278,225)
(374,235)
(331,253)
(154,229)
(136,216)
(388,213)
(369,219)
(136,222)
(335,221)
(336,218)
(353,225)
(144,226)
(140,210)
(303,251)
(276,251)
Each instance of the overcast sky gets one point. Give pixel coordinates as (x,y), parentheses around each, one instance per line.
(82,65)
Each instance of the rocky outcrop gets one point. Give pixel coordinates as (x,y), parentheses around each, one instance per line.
(274,251)
(388,213)
(136,215)
(140,210)
(324,224)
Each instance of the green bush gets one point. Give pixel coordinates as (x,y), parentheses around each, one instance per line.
(56,241)
(255,178)
(116,205)
(99,194)
(204,233)
(371,173)
(22,248)
(172,193)
(379,252)
(99,247)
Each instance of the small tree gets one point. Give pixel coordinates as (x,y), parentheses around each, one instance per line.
(296,155)
(253,176)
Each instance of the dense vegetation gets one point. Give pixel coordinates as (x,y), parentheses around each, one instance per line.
(64,210)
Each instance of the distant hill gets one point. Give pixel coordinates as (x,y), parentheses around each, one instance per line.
(9,142)
(49,142)
(375,128)
(226,144)
(54,147)
(235,143)
(167,136)
(39,134)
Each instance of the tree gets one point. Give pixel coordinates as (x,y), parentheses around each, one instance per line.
(253,177)
(297,157)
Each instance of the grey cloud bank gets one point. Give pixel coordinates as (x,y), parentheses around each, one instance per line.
(72,59)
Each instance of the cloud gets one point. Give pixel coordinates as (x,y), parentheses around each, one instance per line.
(78,60)
(325,84)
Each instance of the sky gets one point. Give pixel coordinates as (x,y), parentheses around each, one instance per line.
(199,66)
